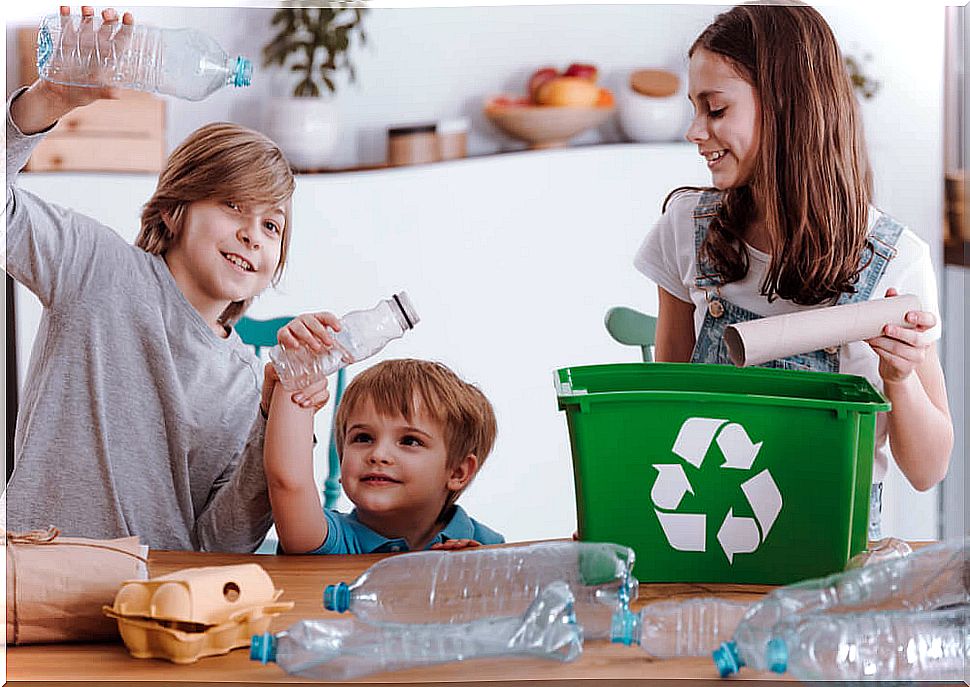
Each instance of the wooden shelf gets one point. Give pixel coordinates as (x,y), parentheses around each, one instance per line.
(957,253)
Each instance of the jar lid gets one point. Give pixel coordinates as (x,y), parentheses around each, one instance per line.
(411,129)
(457,125)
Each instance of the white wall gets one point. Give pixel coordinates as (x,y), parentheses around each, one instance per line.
(429,63)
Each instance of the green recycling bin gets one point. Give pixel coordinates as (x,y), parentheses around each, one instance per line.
(712,473)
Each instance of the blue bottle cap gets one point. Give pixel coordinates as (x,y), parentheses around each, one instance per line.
(625,627)
(336,597)
(45,47)
(242,72)
(262,648)
(727,660)
(777,655)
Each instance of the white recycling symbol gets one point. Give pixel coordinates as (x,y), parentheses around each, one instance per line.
(687,531)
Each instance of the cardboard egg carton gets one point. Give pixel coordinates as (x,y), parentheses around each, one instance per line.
(196,612)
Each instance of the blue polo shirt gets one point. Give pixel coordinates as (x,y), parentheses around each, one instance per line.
(347,534)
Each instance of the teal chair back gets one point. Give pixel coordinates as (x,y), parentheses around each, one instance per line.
(262,334)
(632,328)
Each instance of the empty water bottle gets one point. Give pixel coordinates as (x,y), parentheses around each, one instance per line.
(670,629)
(362,334)
(345,649)
(181,62)
(462,586)
(884,646)
(930,578)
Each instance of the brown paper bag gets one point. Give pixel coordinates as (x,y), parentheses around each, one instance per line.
(57,585)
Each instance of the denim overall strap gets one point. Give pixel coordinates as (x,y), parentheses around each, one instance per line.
(879,250)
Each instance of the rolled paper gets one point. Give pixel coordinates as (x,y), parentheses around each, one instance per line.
(771,338)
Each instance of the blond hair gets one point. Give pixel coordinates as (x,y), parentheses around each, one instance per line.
(222,162)
(461,408)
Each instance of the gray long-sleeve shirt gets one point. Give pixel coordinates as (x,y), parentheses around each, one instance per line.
(135,418)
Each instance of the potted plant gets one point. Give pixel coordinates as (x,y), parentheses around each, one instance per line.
(313,42)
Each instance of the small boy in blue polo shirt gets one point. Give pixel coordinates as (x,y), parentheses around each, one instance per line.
(411,436)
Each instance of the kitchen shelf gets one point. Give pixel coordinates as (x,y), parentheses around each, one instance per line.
(957,253)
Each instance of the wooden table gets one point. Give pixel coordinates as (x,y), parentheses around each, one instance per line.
(303,578)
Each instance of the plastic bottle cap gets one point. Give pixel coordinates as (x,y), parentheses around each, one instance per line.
(242,72)
(336,597)
(262,648)
(726,659)
(777,655)
(407,308)
(45,47)
(624,627)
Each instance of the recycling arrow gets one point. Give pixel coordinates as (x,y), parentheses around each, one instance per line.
(738,535)
(739,452)
(671,485)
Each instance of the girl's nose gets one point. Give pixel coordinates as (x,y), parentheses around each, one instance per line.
(696,132)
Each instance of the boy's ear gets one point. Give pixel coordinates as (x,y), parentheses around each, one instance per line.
(462,473)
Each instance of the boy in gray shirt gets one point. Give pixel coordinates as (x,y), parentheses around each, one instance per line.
(140,409)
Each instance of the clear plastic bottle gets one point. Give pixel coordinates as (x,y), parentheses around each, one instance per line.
(346,649)
(462,586)
(670,629)
(929,578)
(362,334)
(185,63)
(884,646)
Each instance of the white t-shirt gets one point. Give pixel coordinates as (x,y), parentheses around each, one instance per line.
(667,256)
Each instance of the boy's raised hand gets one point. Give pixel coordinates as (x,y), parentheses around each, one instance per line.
(45,102)
(313,396)
(312,330)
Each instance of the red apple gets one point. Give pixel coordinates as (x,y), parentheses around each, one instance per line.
(539,77)
(582,71)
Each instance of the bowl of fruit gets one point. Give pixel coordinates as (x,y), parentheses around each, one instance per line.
(558,107)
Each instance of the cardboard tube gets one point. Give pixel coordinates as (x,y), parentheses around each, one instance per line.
(771,338)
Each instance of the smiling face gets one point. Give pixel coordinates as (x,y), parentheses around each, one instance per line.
(395,470)
(225,252)
(726,122)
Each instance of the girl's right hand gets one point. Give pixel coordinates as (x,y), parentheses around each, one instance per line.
(312,330)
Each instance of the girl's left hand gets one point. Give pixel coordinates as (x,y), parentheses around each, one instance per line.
(900,348)
(456,544)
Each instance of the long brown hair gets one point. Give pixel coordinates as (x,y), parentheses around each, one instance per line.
(812,182)
(223,162)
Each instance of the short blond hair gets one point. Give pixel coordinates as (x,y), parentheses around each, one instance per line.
(461,408)
(220,161)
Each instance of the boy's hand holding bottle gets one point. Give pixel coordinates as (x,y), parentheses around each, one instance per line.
(313,331)
(45,101)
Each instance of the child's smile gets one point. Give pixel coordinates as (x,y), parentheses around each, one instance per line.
(726,119)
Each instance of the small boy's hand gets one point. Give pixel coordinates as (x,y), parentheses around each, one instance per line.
(456,544)
(311,330)
(313,396)
(900,348)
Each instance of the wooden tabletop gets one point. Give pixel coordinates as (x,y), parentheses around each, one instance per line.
(303,578)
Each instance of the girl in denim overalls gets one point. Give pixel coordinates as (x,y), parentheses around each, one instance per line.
(788,225)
